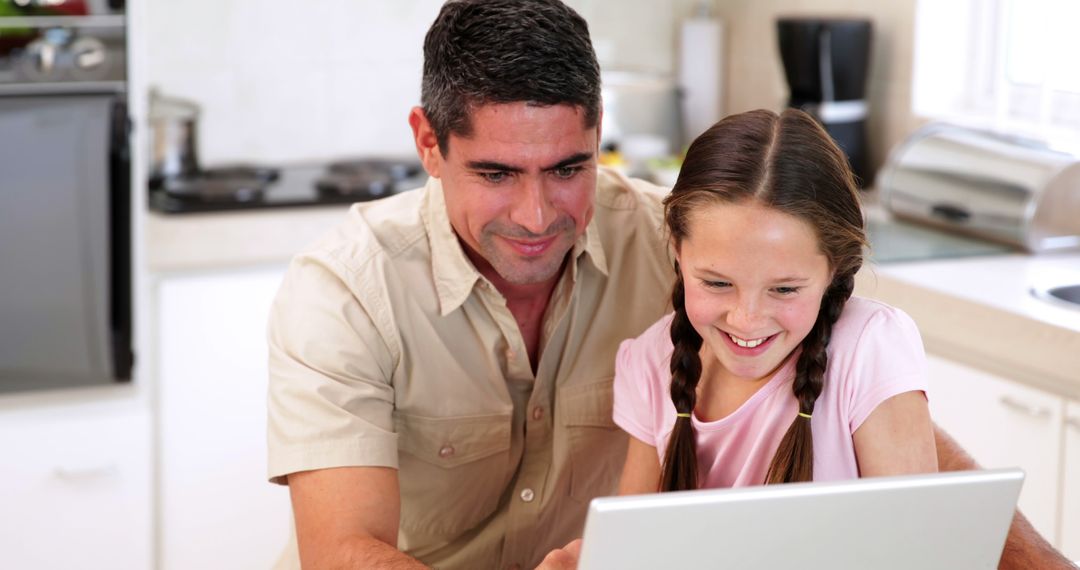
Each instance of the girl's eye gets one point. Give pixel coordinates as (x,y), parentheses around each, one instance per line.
(716,284)
(787,290)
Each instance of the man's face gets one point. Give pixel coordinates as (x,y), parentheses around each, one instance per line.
(519,190)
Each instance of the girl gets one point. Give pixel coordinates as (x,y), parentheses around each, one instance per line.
(769,371)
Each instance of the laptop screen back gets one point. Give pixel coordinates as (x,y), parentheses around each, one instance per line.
(942,520)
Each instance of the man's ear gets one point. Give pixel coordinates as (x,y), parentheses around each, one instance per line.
(427,144)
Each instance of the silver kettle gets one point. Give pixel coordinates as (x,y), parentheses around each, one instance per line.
(173,140)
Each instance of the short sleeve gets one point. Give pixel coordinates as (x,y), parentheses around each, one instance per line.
(641,383)
(888,360)
(330,399)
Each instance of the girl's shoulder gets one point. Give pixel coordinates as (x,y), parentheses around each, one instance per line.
(652,347)
(868,322)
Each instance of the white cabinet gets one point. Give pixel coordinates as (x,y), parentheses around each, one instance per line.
(1070,503)
(76,481)
(217,508)
(1004,424)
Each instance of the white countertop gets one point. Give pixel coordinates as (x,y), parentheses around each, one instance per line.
(980,311)
(222,240)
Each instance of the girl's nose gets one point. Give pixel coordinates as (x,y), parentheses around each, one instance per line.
(746,316)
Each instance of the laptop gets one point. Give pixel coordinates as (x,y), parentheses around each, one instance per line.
(941,520)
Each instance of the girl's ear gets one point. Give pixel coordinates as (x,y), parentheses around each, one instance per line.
(674,247)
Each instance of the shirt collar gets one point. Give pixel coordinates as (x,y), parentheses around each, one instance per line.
(455,275)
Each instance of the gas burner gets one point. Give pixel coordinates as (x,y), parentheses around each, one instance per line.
(367,178)
(398,169)
(227,183)
(299,185)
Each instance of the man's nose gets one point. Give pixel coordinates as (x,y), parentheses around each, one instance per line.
(533,209)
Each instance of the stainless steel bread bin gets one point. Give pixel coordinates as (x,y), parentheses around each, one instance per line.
(984,184)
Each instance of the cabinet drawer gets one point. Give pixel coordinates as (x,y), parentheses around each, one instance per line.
(1002,423)
(1070,503)
(77,488)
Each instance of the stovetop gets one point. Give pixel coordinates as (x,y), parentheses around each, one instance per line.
(299,185)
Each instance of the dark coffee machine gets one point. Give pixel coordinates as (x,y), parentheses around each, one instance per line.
(826,62)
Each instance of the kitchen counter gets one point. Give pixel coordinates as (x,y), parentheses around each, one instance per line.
(979,311)
(221,240)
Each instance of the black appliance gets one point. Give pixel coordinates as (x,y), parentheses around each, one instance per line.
(247,187)
(826,63)
(65,212)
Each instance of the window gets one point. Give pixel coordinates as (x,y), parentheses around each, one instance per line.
(1006,65)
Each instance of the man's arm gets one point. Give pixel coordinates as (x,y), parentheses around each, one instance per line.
(348,518)
(1024,547)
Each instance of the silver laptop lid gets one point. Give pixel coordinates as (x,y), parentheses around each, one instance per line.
(942,520)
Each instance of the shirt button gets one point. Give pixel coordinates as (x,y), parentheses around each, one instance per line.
(509,355)
(527,495)
(537,413)
(446,451)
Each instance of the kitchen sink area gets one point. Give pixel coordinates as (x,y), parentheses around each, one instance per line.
(1064,295)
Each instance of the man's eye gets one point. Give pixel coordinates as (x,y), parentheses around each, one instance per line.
(566,172)
(493,177)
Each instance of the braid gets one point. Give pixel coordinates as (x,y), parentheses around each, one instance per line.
(679,471)
(794,459)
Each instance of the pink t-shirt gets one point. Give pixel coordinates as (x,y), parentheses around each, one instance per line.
(875,353)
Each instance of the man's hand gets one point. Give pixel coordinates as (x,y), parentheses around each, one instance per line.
(565,558)
(1024,547)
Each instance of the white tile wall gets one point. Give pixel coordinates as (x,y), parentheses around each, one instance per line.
(286,81)
(281,80)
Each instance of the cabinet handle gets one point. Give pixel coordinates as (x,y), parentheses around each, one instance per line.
(1026,409)
(84,473)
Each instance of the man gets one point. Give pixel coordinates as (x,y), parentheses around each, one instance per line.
(441,363)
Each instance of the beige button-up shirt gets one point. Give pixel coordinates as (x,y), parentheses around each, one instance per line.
(388,348)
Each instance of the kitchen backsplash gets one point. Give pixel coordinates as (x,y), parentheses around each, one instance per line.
(283,81)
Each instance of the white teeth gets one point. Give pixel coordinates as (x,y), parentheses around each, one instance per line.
(747,343)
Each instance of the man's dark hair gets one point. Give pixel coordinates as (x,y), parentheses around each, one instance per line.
(506,51)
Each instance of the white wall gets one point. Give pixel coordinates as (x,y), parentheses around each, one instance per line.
(283,80)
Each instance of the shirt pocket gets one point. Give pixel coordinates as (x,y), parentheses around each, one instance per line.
(596,446)
(452,470)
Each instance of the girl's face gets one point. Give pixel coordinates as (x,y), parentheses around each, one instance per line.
(754,278)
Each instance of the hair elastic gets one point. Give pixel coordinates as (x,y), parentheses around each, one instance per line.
(686,415)
(807,416)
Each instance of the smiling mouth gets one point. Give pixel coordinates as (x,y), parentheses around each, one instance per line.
(754,343)
(532,247)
